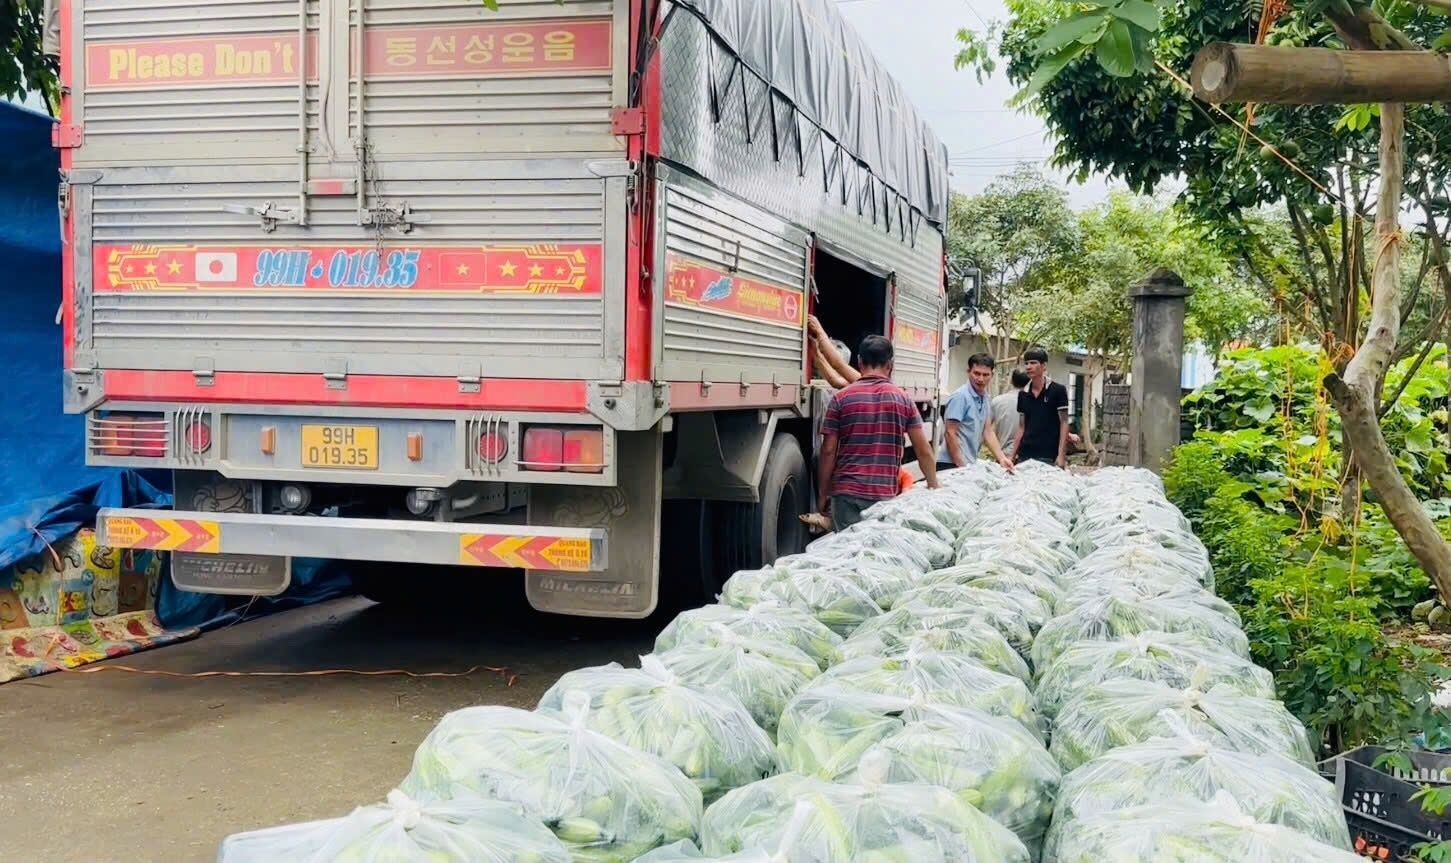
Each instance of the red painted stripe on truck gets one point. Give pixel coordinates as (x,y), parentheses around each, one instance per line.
(132,385)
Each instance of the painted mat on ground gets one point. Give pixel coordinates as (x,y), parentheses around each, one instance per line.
(76,603)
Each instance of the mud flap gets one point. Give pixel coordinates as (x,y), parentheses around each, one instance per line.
(630,512)
(228,574)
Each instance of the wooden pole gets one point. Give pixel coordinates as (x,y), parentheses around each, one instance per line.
(1265,74)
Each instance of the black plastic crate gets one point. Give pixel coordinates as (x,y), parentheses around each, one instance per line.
(1385,823)
(1427,768)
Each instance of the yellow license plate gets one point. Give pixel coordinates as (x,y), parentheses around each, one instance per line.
(340,447)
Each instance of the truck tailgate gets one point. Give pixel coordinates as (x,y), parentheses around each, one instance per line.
(348,187)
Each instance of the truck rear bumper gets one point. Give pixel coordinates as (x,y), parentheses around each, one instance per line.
(562,549)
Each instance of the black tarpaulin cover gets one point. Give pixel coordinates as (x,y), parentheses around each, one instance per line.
(807,52)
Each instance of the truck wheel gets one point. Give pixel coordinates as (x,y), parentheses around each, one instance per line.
(751,535)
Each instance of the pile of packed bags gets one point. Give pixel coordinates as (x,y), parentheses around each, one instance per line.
(1010,669)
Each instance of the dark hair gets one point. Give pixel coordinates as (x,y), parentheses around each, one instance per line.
(1020,379)
(1035,355)
(984,360)
(875,352)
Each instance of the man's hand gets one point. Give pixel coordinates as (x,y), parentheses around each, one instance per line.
(814,326)
(934,483)
(1007,464)
(1062,461)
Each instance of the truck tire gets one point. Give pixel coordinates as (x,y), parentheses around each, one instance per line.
(751,535)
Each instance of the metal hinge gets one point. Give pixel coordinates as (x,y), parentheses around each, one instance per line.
(66,136)
(401,217)
(628,121)
(269,214)
(335,372)
(204,371)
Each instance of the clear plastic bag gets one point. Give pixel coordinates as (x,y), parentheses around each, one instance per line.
(949,594)
(1138,562)
(1271,788)
(810,820)
(1191,832)
(607,802)
(883,576)
(1110,617)
(1178,660)
(990,609)
(710,736)
(925,552)
(832,597)
(936,678)
(1001,578)
(1033,552)
(1106,716)
(767,621)
(949,507)
(983,644)
(467,829)
(686,852)
(1131,589)
(763,675)
(990,762)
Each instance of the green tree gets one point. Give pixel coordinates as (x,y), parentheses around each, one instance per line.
(24,68)
(1010,233)
(1102,73)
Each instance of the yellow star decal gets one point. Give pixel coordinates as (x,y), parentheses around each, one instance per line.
(150,269)
(536,271)
(463,269)
(507,268)
(559,271)
(174,268)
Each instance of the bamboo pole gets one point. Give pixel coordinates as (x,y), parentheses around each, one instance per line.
(1265,74)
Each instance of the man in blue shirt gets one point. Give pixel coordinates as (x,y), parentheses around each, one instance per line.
(969,419)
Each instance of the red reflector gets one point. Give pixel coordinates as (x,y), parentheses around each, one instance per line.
(199,436)
(493,446)
(543,449)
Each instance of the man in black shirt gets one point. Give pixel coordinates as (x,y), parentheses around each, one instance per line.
(1043,415)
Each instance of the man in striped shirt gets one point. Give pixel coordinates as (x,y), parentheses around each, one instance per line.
(861,447)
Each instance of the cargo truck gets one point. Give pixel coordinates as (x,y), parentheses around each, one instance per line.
(413,282)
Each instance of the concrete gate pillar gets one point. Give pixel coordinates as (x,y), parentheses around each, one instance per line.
(1158,367)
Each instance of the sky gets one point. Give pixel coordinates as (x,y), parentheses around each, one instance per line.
(916,41)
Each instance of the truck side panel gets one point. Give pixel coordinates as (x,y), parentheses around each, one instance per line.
(756,148)
(734,302)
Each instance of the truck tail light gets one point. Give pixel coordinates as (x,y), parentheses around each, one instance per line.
(543,449)
(198,436)
(572,449)
(584,451)
(129,435)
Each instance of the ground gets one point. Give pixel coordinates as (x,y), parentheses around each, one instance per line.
(117,766)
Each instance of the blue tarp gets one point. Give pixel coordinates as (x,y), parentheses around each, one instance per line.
(46,490)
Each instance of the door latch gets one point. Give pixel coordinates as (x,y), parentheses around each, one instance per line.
(269,214)
(401,217)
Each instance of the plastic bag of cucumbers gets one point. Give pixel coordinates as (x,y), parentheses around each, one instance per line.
(831,596)
(1180,660)
(1111,617)
(710,737)
(988,761)
(881,575)
(985,609)
(1216,832)
(466,829)
(1273,789)
(937,678)
(763,675)
(981,643)
(1135,589)
(924,551)
(947,595)
(1135,562)
(607,802)
(773,622)
(1118,713)
(810,820)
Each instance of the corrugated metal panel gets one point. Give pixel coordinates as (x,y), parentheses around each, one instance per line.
(717,339)
(545,88)
(175,80)
(468,150)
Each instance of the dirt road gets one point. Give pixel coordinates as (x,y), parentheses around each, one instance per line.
(115,766)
